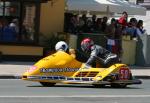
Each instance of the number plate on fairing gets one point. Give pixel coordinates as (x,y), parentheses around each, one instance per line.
(124,73)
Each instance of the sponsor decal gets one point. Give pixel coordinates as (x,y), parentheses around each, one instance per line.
(31,69)
(59,78)
(124,73)
(52,70)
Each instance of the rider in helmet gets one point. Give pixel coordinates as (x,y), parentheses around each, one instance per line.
(105,57)
(63,46)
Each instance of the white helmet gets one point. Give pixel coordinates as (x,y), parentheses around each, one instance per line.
(61,45)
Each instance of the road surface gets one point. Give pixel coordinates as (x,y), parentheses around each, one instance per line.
(19,91)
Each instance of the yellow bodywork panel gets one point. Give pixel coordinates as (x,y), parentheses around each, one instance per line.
(59,60)
(98,73)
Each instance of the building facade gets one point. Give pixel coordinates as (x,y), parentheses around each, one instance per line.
(24,22)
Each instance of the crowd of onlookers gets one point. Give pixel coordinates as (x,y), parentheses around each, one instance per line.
(113,30)
(8,31)
(117,27)
(11,31)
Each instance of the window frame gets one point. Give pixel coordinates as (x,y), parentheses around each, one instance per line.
(37,4)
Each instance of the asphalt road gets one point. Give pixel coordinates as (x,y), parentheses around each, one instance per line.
(18,91)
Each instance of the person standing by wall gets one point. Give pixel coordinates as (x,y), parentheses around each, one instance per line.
(123,20)
(14,25)
(104,24)
(140,28)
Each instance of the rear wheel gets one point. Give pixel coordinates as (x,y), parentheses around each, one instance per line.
(122,85)
(47,84)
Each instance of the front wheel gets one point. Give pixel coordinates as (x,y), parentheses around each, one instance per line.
(47,84)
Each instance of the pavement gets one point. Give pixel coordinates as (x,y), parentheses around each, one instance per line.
(14,70)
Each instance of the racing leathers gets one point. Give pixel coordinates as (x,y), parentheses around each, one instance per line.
(100,54)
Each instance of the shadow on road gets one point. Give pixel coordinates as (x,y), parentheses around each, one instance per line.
(83,86)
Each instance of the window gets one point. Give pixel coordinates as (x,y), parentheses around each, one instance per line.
(9,20)
(28,25)
(17,22)
(9,9)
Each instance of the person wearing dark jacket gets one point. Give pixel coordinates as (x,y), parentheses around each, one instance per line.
(97,52)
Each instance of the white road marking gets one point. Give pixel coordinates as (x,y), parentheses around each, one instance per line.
(80,96)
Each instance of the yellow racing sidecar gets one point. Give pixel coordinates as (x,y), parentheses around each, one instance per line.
(61,67)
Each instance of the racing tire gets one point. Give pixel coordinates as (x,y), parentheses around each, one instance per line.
(122,85)
(99,85)
(47,84)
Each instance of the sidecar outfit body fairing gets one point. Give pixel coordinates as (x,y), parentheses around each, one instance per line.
(61,67)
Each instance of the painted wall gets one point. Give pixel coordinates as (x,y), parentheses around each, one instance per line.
(52,16)
(21,50)
(129,52)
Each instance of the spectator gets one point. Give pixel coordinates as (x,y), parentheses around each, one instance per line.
(76,23)
(94,23)
(110,30)
(140,29)
(73,24)
(81,24)
(84,18)
(77,20)
(14,25)
(131,30)
(123,19)
(104,23)
(118,40)
(118,31)
(9,34)
(112,43)
(89,27)
(128,30)
(98,24)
